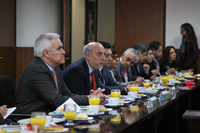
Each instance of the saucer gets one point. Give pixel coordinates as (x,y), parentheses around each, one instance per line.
(114,105)
(93,115)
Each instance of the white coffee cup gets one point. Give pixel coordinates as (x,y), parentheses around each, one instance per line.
(93,109)
(48,121)
(132,94)
(171,80)
(113,101)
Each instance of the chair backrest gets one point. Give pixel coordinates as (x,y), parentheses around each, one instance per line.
(7,91)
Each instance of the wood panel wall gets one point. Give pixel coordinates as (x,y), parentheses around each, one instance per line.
(7,64)
(138,21)
(24,56)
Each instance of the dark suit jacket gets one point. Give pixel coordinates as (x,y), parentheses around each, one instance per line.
(136,73)
(152,66)
(119,73)
(109,82)
(37,89)
(191,56)
(164,67)
(77,77)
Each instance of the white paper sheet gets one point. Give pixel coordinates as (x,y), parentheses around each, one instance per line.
(69,101)
(9,111)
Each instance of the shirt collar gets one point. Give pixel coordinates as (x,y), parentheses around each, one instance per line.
(90,68)
(50,68)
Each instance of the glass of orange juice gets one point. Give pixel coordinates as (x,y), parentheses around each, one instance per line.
(38,118)
(115,93)
(170,76)
(134,88)
(191,71)
(146,83)
(182,72)
(94,100)
(70,113)
(164,79)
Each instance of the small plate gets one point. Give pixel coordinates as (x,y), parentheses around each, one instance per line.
(113,105)
(89,118)
(28,120)
(170,85)
(64,130)
(93,115)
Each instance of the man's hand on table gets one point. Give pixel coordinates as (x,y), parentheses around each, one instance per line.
(99,93)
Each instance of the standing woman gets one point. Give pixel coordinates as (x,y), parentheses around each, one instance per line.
(189,48)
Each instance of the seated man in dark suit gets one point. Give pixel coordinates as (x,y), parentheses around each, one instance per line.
(123,71)
(152,68)
(137,68)
(156,48)
(79,76)
(104,78)
(41,86)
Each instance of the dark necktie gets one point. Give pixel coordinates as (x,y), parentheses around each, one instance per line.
(55,78)
(93,83)
(125,75)
(102,77)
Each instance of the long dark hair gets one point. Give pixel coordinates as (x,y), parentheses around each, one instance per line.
(166,54)
(190,31)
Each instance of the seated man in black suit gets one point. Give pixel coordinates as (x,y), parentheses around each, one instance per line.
(137,68)
(151,70)
(156,48)
(41,86)
(123,71)
(104,78)
(79,76)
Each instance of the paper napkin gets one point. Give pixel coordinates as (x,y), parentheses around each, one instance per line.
(189,82)
(69,101)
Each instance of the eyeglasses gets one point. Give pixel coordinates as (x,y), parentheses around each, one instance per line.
(114,57)
(182,30)
(172,53)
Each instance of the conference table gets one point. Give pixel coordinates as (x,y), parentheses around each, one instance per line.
(163,118)
(166,118)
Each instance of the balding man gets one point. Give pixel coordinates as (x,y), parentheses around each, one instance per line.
(79,76)
(41,86)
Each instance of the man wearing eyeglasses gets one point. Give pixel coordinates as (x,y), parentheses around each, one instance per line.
(123,71)
(104,78)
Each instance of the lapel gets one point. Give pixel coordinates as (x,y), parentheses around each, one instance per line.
(87,74)
(128,71)
(121,70)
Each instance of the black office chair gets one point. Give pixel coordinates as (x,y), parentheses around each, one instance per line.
(7,91)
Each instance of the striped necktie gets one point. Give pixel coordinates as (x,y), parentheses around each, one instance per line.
(55,78)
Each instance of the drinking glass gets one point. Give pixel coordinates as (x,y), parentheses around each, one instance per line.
(38,118)
(115,93)
(134,88)
(182,73)
(176,75)
(170,76)
(191,71)
(164,79)
(94,100)
(70,113)
(146,83)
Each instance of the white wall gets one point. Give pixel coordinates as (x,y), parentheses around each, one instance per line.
(106,21)
(35,17)
(78,29)
(177,13)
